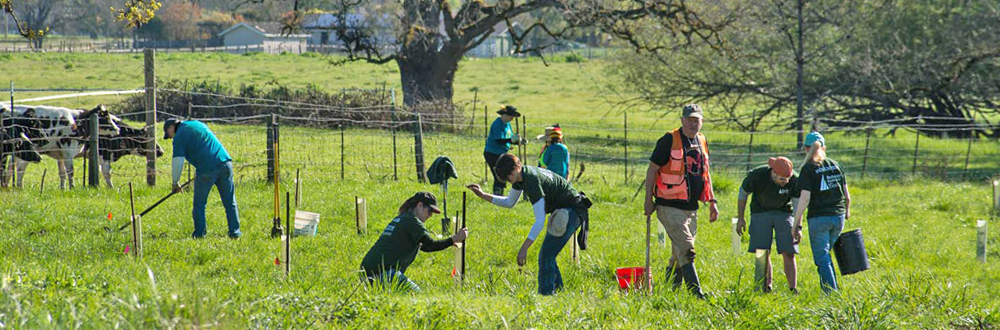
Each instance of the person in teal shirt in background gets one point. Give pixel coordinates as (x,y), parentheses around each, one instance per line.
(555,155)
(498,143)
(194,142)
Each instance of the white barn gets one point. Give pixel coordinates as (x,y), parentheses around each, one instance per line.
(265,37)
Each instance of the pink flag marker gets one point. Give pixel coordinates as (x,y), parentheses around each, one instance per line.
(126,249)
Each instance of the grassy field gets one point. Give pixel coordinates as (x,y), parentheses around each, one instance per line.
(60,269)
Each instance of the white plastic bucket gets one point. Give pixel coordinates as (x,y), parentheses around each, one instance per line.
(306,223)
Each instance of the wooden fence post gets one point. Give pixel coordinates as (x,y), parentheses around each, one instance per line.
(418,148)
(916,152)
(864,163)
(625,112)
(93,171)
(271,120)
(395,171)
(149,56)
(968,151)
(342,160)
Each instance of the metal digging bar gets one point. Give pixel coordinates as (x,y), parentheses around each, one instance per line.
(151,207)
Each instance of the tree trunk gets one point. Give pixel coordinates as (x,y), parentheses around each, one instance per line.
(428,77)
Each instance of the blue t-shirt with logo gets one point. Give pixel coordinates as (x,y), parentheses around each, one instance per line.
(499,130)
(199,146)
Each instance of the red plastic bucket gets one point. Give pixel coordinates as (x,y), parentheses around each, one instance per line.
(630,277)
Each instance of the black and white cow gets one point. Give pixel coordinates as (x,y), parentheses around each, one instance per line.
(129,141)
(61,133)
(14,144)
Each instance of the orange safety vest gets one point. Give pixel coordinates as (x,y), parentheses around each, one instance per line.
(671,180)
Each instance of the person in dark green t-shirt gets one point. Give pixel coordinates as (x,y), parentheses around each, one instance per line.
(823,189)
(399,243)
(548,193)
(772,191)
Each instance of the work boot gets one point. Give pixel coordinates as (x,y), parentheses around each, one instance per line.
(691,277)
(674,275)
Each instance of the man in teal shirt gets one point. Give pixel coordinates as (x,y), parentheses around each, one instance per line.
(498,142)
(194,142)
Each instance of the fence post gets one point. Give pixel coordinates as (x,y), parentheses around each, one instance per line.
(486,135)
(968,150)
(149,56)
(342,160)
(753,128)
(475,97)
(93,170)
(395,171)
(916,152)
(626,145)
(3,164)
(864,163)
(270,148)
(418,148)
(189,111)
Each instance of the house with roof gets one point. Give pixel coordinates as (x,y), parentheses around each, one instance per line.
(497,44)
(264,37)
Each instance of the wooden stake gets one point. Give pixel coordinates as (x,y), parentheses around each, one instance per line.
(464,244)
(734,237)
(981,240)
(360,214)
(649,277)
(41,187)
(136,225)
(298,189)
(288,235)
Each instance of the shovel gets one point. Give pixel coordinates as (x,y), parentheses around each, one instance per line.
(150,208)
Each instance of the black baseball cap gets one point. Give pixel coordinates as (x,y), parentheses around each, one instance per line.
(428,199)
(508,110)
(167,124)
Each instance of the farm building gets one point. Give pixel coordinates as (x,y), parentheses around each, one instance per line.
(265,37)
(497,44)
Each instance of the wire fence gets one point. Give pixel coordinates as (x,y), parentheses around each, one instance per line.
(386,142)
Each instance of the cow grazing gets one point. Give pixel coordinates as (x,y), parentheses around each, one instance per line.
(129,141)
(14,144)
(61,133)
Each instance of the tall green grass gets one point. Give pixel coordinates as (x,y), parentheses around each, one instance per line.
(59,268)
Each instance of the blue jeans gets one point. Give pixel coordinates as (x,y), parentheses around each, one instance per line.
(393,280)
(221,176)
(823,233)
(549,277)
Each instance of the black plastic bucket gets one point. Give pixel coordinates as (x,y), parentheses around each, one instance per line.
(850,252)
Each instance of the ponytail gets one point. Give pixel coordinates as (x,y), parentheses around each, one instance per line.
(409,204)
(817,154)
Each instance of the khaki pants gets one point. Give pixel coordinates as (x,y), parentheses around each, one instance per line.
(681,227)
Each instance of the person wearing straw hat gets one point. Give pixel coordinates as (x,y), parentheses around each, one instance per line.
(498,142)
(196,144)
(404,236)
(676,180)
(549,194)
(823,190)
(773,190)
(555,155)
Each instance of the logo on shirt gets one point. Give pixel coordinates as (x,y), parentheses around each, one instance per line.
(391,227)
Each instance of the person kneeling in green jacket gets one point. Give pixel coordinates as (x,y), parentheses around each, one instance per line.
(399,243)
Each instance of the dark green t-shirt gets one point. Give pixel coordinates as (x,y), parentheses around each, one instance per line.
(767,195)
(825,182)
(398,245)
(540,183)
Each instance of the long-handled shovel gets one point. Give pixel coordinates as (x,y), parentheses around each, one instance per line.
(151,207)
